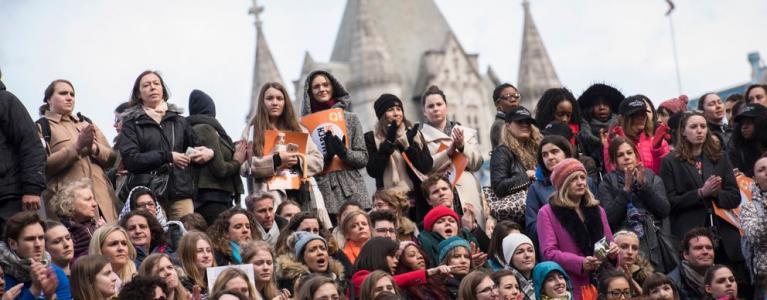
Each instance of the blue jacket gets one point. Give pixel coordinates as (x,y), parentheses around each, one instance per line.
(542,270)
(63,292)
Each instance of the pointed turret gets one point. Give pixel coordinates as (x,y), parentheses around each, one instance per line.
(536,72)
(370,60)
(265,69)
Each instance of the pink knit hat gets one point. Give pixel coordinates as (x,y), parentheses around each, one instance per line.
(675,105)
(563,169)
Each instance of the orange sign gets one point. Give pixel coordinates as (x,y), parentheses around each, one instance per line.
(732,216)
(329,121)
(289,179)
(457,165)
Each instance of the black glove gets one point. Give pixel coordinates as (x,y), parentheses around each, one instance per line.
(411,135)
(391,132)
(329,149)
(339,146)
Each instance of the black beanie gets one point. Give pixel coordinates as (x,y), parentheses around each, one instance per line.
(384,102)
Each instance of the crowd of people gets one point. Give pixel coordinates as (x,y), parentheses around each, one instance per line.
(602,196)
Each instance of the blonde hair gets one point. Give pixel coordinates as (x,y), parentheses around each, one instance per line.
(563,198)
(187,254)
(526,150)
(229,274)
(349,218)
(249,251)
(63,203)
(147,269)
(97,241)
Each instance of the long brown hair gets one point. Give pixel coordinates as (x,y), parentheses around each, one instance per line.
(83,276)
(147,268)
(260,121)
(249,250)
(468,288)
(187,253)
(135,96)
(711,148)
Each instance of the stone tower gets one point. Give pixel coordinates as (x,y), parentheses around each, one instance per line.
(265,69)
(536,72)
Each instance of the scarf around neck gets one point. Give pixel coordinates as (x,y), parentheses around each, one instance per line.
(318,106)
(156,113)
(692,278)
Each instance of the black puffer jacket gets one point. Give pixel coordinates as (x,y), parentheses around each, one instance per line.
(506,171)
(22,156)
(145,146)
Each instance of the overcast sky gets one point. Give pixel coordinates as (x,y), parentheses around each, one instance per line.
(101,45)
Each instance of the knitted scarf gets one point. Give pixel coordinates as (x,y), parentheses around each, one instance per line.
(156,113)
(692,278)
(318,106)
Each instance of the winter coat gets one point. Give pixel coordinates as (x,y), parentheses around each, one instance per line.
(289,269)
(65,164)
(497,128)
(404,280)
(651,197)
(17,272)
(688,210)
(538,195)
(752,216)
(744,156)
(222,173)
(81,234)
(22,157)
(557,243)
(506,172)
(467,186)
(650,157)
(341,186)
(430,240)
(686,292)
(146,147)
(722,131)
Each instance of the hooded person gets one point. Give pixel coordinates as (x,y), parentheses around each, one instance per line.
(599,104)
(321,92)
(541,273)
(218,182)
(308,256)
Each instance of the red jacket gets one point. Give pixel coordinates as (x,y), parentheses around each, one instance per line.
(650,157)
(403,280)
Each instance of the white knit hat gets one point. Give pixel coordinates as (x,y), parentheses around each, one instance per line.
(510,244)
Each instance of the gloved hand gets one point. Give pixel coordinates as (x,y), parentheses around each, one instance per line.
(339,145)
(391,132)
(329,148)
(661,133)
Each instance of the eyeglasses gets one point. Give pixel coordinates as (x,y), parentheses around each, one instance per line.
(619,294)
(386,230)
(516,96)
(145,205)
(489,289)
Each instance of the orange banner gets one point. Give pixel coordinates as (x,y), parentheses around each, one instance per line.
(294,142)
(321,123)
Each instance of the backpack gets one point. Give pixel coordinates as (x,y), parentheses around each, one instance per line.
(45,129)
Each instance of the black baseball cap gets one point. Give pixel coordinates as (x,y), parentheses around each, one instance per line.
(631,105)
(751,110)
(519,113)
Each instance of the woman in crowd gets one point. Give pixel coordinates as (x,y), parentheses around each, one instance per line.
(558,104)
(234,279)
(752,215)
(78,211)
(112,241)
(614,285)
(145,234)
(160,265)
(720,283)
(232,229)
(478,286)
(455,252)
(319,287)
(439,224)
(153,143)
(696,176)
(399,205)
(196,255)
(439,132)
(309,222)
(58,243)
(76,148)
(275,112)
(411,258)
(659,287)
(356,231)
(93,279)
(672,106)
(508,288)
(309,256)
(261,256)
(519,258)
(392,139)
(142,198)
(599,104)
(631,260)
(347,207)
(570,225)
(322,91)
(634,197)
(495,259)
(287,209)
(218,182)
(748,142)
(635,124)
(376,283)
(552,282)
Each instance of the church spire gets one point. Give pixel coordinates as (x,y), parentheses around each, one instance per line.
(536,72)
(265,69)
(370,60)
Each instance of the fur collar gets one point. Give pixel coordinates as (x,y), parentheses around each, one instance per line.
(288,268)
(585,234)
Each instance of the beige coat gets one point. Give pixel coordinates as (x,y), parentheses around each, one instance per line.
(64,164)
(468,186)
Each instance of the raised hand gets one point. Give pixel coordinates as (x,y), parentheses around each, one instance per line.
(660,134)
(391,132)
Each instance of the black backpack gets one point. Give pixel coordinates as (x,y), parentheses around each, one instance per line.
(45,129)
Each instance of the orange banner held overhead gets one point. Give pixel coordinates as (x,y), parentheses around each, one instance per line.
(321,123)
(285,179)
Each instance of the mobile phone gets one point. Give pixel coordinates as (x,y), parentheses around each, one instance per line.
(292,148)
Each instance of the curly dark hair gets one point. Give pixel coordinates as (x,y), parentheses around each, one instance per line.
(218,230)
(547,106)
(158,234)
(142,287)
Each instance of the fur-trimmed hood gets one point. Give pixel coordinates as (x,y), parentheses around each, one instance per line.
(339,92)
(289,268)
(136,111)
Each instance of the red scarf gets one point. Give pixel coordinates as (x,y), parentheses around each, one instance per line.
(320,106)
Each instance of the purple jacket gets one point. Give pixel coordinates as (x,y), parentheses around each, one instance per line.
(557,245)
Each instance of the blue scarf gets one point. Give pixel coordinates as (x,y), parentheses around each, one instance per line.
(235,252)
